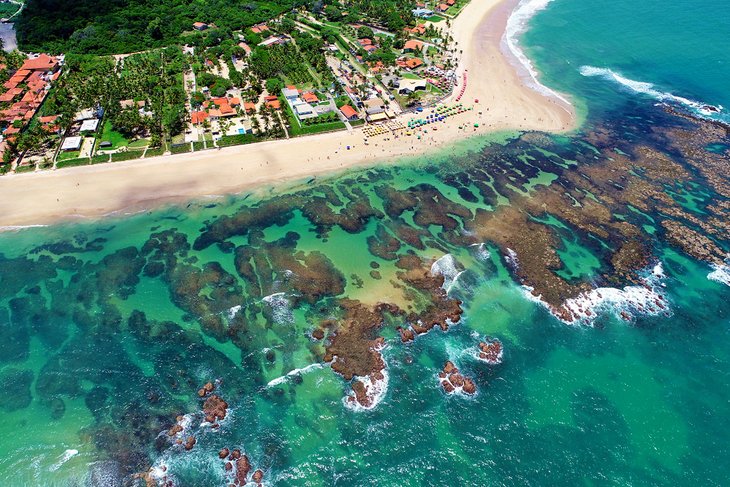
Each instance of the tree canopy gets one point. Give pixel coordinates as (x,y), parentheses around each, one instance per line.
(117,26)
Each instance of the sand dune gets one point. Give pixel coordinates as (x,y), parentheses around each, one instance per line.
(92,191)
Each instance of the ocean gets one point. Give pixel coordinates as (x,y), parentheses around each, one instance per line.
(598,260)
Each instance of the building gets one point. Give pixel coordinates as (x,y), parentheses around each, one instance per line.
(406,86)
(310,97)
(349,113)
(259,28)
(442,7)
(422,12)
(413,45)
(200,26)
(374,106)
(275,40)
(291,93)
(72,143)
(198,117)
(89,125)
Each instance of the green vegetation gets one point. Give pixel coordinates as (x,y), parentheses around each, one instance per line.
(154,152)
(125,156)
(90,26)
(72,162)
(108,134)
(180,148)
(7,10)
(229,140)
(28,168)
(66,155)
(98,159)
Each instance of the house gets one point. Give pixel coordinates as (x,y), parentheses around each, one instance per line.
(72,143)
(42,62)
(290,93)
(246,48)
(275,40)
(259,28)
(198,117)
(310,97)
(413,45)
(418,30)
(11,94)
(406,86)
(272,102)
(303,110)
(422,12)
(450,3)
(442,7)
(249,107)
(374,106)
(349,112)
(413,63)
(89,125)
(200,26)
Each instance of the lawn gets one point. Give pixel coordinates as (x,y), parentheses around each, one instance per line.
(139,144)
(435,18)
(111,135)
(66,155)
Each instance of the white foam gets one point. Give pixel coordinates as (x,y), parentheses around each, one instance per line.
(626,302)
(511,259)
(516,26)
(12,228)
(481,252)
(375,390)
(65,457)
(285,377)
(280,306)
(648,89)
(233,311)
(448,267)
(721,274)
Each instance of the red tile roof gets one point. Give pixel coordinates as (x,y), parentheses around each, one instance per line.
(198,117)
(11,94)
(413,45)
(310,97)
(227,110)
(249,106)
(275,104)
(44,62)
(348,111)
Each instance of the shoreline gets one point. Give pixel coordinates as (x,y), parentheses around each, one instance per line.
(506,102)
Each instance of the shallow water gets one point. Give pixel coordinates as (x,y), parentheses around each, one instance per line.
(111,328)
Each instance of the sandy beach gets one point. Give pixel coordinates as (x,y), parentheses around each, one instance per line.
(505,102)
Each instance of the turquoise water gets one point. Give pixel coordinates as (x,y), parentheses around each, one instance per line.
(678,47)
(110,328)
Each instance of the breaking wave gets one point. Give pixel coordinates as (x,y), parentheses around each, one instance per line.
(280,307)
(647,299)
(292,373)
(516,26)
(721,274)
(449,268)
(650,90)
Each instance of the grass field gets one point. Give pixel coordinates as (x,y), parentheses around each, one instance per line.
(111,135)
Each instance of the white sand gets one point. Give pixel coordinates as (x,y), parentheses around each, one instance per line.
(92,191)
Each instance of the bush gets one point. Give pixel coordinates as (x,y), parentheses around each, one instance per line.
(240,139)
(126,156)
(180,148)
(100,159)
(72,162)
(158,151)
